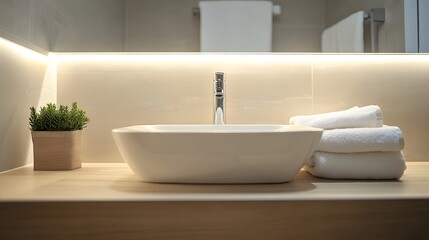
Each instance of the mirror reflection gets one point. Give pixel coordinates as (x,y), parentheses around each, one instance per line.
(194,25)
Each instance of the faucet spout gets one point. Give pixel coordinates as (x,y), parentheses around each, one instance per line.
(219,98)
(219,116)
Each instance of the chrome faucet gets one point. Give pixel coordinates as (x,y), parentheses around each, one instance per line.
(219,98)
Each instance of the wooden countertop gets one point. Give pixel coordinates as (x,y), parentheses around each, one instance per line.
(115,182)
(105,201)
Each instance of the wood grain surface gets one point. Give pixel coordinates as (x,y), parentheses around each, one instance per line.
(216,220)
(106,201)
(57,150)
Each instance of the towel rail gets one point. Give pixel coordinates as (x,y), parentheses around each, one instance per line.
(376,15)
(277,10)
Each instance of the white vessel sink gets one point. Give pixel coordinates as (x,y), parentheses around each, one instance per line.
(216,153)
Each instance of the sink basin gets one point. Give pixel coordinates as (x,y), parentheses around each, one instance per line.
(216,153)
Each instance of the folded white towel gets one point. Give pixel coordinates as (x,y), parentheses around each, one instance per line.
(353,140)
(373,165)
(357,117)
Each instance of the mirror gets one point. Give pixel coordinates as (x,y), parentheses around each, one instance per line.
(171,26)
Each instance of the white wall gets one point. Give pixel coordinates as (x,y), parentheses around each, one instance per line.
(26,80)
(64,25)
(424,26)
(411,26)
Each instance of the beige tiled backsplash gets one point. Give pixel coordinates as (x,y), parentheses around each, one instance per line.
(123,90)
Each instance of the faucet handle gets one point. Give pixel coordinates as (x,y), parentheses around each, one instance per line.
(218,82)
(219,76)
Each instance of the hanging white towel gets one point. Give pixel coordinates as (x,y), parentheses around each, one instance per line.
(349,140)
(356,117)
(373,165)
(346,35)
(236,26)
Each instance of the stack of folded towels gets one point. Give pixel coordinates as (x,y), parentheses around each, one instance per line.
(355,145)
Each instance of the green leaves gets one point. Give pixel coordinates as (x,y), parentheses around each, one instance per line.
(49,118)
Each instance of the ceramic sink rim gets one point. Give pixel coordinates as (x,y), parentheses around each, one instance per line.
(216,154)
(215,128)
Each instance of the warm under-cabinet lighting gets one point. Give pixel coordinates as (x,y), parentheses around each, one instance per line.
(22,50)
(236,57)
(224,58)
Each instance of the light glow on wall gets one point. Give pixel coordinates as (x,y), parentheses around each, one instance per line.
(234,57)
(48,93)
(23,50)
(197,57)
(176,57)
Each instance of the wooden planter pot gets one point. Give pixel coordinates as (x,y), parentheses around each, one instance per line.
(57,150)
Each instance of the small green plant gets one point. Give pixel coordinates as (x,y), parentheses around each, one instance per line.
(51,118)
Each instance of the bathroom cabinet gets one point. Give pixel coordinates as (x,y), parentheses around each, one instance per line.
(107,201)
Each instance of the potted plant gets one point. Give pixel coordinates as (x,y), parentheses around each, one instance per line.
(57,136)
